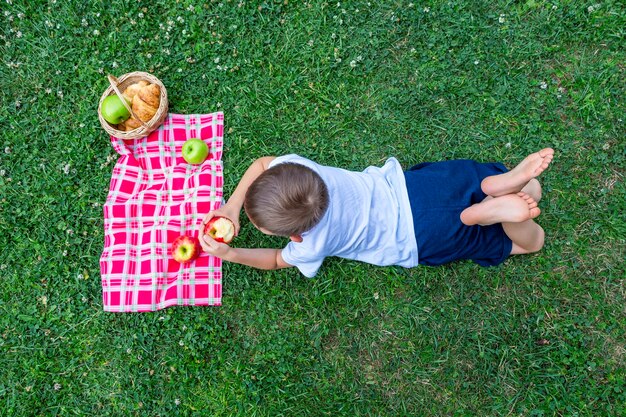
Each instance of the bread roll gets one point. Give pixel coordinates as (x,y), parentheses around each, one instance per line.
(133,89)
(145,99)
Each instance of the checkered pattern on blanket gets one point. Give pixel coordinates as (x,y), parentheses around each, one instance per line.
(154,197)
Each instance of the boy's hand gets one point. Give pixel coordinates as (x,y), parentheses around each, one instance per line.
(217,249)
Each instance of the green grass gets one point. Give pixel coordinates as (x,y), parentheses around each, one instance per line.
(346,84)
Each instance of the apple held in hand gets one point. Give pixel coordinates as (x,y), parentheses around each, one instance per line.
(113,110)
(186,249)
(195,151)
(221,229)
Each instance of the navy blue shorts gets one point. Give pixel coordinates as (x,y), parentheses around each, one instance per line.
(439,192)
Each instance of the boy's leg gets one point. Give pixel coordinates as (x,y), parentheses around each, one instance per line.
(517,178)
(533,189)
(527,236)
(512,208)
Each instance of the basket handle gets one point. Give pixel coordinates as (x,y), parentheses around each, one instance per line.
(114,83)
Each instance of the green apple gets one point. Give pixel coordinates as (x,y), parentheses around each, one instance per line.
(195,151)
(113,110)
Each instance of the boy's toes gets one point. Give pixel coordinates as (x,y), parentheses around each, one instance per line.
(534,212)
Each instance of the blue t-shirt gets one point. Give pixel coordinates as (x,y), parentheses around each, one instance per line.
(368,219)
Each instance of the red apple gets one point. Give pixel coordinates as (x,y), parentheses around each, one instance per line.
(186,249)
(221,229)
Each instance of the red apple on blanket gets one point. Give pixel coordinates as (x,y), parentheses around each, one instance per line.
(221,229)
(195,151)
(186,249)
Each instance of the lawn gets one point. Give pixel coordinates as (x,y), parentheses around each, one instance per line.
(346,83)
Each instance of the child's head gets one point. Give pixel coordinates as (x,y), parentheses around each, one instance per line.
(287,199)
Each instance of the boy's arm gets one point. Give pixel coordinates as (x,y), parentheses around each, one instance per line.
(256,258)
(232,208)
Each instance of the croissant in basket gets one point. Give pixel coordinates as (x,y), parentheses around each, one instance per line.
(145,99)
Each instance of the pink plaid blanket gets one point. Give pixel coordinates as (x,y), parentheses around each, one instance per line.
(154,197)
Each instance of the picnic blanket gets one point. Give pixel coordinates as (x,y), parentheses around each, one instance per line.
(155,196)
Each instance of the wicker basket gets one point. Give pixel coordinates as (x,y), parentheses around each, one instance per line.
(117,87)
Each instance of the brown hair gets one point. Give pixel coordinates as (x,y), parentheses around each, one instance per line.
(287,199)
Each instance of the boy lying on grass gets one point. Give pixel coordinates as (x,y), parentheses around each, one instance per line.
(432,214)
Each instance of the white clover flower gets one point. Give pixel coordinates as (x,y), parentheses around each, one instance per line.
(101,70)
(140,15)
(84,22)
(19,34)
(177,401)
(180,19)
(2,172)
(7,150)
(114,64)
(217,60)
(57,386)
(20,15)
(96,32)
(353,63)
(181,343)
(129,350)
(48,90)
(66,169)
(543,85)
(502,18)
(426,9)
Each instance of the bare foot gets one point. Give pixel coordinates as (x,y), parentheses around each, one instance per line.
(514,180)
(512,208)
